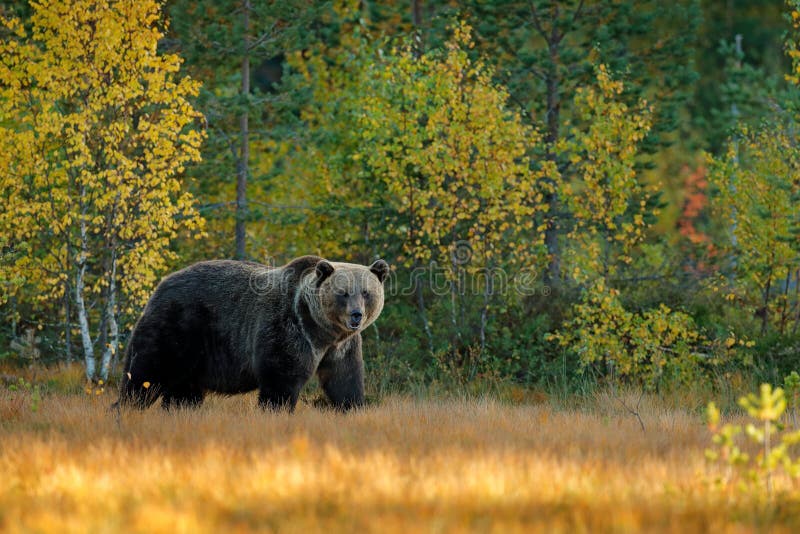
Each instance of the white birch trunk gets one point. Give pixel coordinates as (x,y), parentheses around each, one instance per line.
(83,316)
(111,317)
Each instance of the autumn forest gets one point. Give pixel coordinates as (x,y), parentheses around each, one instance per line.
(588,207)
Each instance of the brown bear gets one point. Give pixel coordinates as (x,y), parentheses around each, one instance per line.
(233,326)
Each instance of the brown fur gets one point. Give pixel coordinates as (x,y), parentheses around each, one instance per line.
(232,327)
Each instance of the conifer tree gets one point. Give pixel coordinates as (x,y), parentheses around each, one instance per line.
(238,48)
(544,50)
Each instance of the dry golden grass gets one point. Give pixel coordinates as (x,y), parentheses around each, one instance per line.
(400,466)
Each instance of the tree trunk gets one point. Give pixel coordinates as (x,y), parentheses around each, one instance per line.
(553,88)
(422,314)
(785,304)
(67,325)
(13,303)
(487,293)
(112,344)
(735,147)
(453,315)
(796,301)
(454,302)
(416,13)
(416,18)
(244,155)
(765,309)
(68,287)
(83,316)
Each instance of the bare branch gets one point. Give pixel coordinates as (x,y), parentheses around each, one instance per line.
(577,13)
(632,411)
(537,22)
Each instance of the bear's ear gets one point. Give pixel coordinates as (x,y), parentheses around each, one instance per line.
(380,269)
(323,271)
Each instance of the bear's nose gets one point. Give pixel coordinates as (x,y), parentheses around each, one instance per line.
(356,316)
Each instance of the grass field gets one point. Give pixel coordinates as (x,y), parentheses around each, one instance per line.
(402,465)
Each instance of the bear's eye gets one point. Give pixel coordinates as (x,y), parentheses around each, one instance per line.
(365,294)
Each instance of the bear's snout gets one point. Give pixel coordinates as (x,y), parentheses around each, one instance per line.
(355,319)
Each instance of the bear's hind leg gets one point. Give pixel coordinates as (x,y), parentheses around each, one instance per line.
(186,398)
(280,391)
(283,398)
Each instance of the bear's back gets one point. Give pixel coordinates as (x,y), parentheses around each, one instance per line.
(228,285)
(207,278)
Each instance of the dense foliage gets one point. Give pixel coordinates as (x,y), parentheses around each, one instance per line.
(96,129)
(568,192)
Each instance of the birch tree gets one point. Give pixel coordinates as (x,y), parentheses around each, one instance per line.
(429,140)
(97,130)
(610,206)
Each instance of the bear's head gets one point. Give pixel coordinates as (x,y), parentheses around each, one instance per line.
(348,297)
